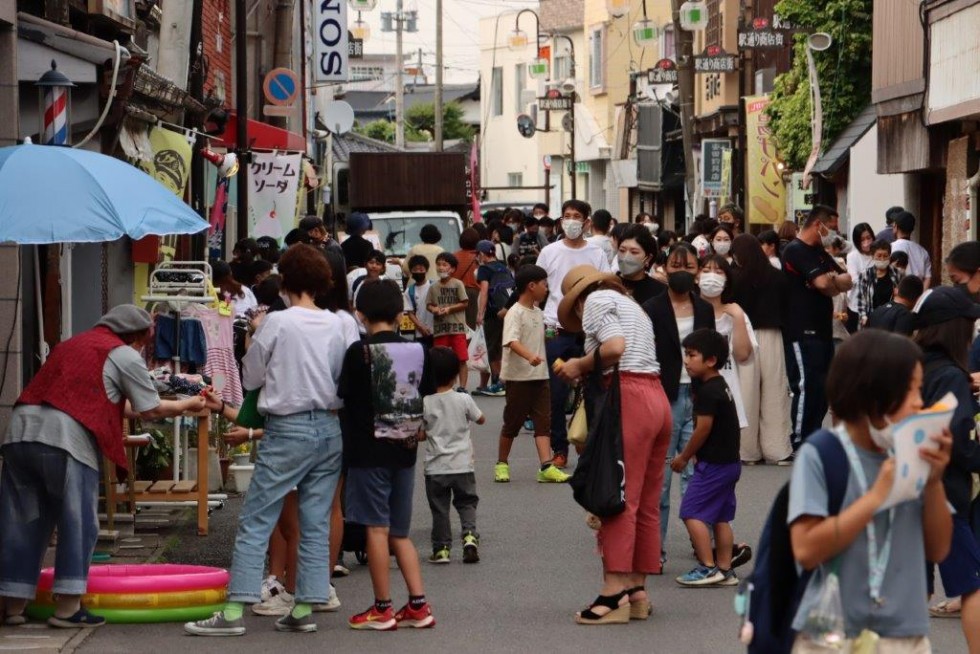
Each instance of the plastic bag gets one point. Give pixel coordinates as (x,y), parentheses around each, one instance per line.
(479,358)
(825,621)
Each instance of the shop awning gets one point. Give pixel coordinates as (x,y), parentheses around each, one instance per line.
(262,136)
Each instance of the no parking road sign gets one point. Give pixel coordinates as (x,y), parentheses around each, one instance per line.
(281,86)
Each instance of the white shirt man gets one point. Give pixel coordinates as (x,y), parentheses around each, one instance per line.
(920,263)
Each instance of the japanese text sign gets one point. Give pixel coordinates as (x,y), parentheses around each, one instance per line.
(331,48)
(273,181)
(712,151)
(763,180)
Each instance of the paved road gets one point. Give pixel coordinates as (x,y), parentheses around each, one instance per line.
(538,567)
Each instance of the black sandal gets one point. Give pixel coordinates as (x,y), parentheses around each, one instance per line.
(639,609)
(618,614)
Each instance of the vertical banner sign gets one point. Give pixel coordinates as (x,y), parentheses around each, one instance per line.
(726,178)
(712,151)
(764,182)
(473,183)
(331,51)
(802,199)
(273,180)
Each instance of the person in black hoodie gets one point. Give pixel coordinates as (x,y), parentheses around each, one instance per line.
(675,315)
(945,317)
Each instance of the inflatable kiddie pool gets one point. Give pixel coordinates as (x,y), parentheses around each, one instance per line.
(153,592)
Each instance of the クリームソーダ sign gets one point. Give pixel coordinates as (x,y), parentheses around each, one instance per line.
(330,49)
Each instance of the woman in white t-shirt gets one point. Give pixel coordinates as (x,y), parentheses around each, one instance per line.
(858,260)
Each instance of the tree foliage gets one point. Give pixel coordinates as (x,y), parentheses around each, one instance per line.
(420,125)
(844,72)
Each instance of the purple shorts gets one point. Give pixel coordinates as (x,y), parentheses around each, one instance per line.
(710,495)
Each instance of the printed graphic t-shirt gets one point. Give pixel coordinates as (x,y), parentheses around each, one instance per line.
(445,295)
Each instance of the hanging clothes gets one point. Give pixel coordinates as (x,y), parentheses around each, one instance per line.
(220,366)
(193,341)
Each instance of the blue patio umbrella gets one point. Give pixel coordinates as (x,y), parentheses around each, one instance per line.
(52,194)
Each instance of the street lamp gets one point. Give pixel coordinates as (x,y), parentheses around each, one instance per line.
(360,30)
(518,38)
(817,42)
(54,96)
(694,15)
(645,30)
(363,5)
(617,8)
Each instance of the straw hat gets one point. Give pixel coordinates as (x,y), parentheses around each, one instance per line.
(576,281)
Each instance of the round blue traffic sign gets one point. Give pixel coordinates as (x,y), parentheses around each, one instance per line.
(280,86)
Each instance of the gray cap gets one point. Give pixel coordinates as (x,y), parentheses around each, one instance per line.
(126,319)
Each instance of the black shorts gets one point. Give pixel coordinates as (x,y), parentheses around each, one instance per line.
(493,330)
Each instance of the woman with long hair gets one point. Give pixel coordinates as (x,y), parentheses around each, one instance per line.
(761,290)
(614,325)
(858,260)
(231,290)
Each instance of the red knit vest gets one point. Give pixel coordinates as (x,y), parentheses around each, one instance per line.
(71,381)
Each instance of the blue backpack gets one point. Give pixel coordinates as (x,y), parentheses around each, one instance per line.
(773,592)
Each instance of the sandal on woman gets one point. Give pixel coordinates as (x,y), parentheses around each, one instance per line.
(945,609)
(640,609)
(618,613)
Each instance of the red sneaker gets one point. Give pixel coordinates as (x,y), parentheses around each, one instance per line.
(560,461)
(415,618)
(374,619)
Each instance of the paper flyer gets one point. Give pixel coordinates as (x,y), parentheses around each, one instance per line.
(911,472)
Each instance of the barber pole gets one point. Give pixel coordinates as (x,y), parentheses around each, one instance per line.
(55,116)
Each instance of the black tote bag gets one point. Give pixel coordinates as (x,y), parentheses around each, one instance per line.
(599,481)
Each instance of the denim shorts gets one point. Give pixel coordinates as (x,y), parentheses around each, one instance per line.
(380,497)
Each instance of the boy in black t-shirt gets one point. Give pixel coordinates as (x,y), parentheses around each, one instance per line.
(710,496)
(382,383)
(896,316)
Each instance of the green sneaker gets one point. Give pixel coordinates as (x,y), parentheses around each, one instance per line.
(501,473)
(440,555)
(471,545)
(552,475)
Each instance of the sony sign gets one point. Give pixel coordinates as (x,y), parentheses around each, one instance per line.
(330,34)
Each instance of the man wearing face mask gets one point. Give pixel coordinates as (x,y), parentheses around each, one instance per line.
(814,280)
(557,259)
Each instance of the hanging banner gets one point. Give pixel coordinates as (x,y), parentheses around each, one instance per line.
(763,180)
(273,180)
(711,167)
(726,178)
(170,159)
(331,49)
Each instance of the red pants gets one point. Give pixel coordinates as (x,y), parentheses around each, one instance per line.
(630,541)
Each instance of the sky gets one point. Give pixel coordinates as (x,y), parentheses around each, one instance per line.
(460,39)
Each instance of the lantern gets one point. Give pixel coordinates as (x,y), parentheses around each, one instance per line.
(694,15)
(54,104)
(517,40)
(617,8)
(644,32)
(538,68)
(363,5)
(360,30)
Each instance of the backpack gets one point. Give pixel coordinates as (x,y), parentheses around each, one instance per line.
(502,286)
(773,592)
(396,373)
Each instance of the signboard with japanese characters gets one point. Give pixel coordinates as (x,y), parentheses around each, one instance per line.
(273,180)
(764,36)
(663,72)
(331,47)
(559,103)
(763,180)
(802,199)
(712,151)
(714,59)
(355,47)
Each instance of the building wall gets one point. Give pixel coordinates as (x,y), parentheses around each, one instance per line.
(871,194)
(726,92)
(216,20)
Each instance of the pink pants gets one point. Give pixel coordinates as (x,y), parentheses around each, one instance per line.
(630,541)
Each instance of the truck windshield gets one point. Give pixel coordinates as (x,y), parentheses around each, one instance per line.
(398,235)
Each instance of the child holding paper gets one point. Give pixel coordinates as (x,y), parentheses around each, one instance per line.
(874,382)
(944,317)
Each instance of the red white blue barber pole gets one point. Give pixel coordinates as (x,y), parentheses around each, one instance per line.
(54,98)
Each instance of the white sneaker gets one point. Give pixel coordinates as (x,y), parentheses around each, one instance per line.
(270,587)
(280,604)
(333,603)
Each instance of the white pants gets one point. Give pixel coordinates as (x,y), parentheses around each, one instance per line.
(765,393)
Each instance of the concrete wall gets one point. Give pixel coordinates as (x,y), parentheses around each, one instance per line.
(218,47)
(870,194)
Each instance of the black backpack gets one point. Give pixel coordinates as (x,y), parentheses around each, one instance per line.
(502,286)
(774,590)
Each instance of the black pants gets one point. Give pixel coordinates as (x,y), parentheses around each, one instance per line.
(460,489)
(807,363)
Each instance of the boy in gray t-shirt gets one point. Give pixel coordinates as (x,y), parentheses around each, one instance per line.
(449,470)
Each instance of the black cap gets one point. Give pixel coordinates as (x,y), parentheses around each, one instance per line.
(942,304)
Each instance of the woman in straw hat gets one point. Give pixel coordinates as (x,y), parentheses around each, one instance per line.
(597,304)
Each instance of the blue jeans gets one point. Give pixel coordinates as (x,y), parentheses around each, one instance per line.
(682,414)
(42,487)
(303,451)
(563,346)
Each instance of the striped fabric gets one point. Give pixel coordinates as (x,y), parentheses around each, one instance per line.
(609,314)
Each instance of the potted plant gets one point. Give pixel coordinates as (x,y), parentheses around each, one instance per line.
(155,460)
(241,455)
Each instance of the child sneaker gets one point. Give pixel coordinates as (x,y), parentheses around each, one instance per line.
(216,625)
(701,576)
(439,555)
(501,473)
(373,619)
(300,625)
(420,618)
(741,554)
(552,475)
(495,390)
(729,578)
(471,544)
(332,604)
(270,587)
(279,604)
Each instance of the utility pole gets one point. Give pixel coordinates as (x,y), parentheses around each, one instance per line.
(241,105)
(399,77)
(685,84)
(438,95)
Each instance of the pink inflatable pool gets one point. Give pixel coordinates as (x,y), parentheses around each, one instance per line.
(146,578)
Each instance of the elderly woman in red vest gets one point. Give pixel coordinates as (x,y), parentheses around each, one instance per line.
(65,421)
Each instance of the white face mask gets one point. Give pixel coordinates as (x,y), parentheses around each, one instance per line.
(828,240)
(881,265)
(884,438)
(444,274)
(722,247)
(711,284)
(629,265)
(572,228)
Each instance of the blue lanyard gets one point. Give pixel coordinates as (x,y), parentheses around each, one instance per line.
(877,561)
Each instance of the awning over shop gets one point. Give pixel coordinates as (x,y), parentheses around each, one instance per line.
(262,136)
(839,151)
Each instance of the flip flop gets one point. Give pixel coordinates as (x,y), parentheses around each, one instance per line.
(943,610)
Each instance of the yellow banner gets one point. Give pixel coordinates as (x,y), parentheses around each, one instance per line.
(764,181)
